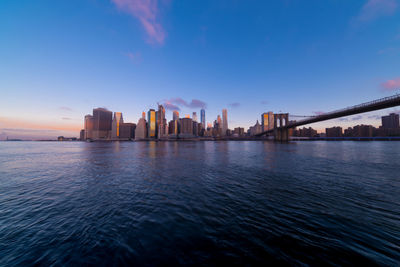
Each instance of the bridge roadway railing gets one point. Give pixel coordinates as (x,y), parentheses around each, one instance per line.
(381,103)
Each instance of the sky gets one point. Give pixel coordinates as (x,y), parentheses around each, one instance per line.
(61,59)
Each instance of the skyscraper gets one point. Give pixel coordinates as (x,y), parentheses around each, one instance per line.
(267,121)
(224,121)
(175,115)
(151,123)
(116,125)
(141,128)
(194,116)
(161,121)
(102,121)
(89,121)
(203,118)
(186,128)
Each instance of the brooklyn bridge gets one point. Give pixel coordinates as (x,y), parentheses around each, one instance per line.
(282,124)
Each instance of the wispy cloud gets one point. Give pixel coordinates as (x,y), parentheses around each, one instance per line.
(374,9)
(66,118)
(134,57)
(170,106)
(175,103)
(391,85)
(375,117)
(65,108)
(264,102)
(234,105)
(147,12)
(357,118)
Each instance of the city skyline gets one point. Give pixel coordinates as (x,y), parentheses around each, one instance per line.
(302,58)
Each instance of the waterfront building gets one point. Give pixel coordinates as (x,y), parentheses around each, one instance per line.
(305,132)
(256,129)
(391,121)
(363,130)
(160,122)
(102,123)
(82,135)
(267,121)
(151,123)
(224,121)
(88,127)
(173,128)
(127,131)
(334,132)
(203,118)
(194,117)
(195,128)
(175,115)
(186,128)
(141,128)
(390,125)
(116,123)
(238,131)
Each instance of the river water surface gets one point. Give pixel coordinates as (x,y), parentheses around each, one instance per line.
(200,203)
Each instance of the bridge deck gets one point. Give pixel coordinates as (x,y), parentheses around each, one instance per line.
(382,103)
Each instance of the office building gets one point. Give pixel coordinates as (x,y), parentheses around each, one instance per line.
(334,132)
(194,117)
(160,122)
(175,115)
(256,129)
(391,121)
(116,124)
(173,128)
(127,131)
(238,131)
(141,129)
(88,127)
(102,123)
(82,135)
(224,121)
(151,124)
(186,128)
(267,121)
(203,118)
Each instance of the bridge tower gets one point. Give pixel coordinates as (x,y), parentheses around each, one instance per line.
(280,131)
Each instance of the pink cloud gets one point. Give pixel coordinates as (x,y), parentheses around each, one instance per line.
(391,85)
(146,11)
(176,102)
(376,8)
(170,106)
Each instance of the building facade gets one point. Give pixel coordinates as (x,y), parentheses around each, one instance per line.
(224,121)
(203,118)
(102,123)
(151,124)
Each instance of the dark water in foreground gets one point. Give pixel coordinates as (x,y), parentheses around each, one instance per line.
(199,203)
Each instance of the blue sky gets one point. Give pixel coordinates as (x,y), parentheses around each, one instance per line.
(59,60)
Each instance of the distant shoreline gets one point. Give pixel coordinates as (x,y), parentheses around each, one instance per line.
(293,139)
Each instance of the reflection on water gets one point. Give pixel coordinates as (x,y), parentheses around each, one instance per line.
(199,203)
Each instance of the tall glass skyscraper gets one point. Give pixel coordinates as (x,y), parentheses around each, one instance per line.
(151,121)
(116,125)
(224,121)
(203,118)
